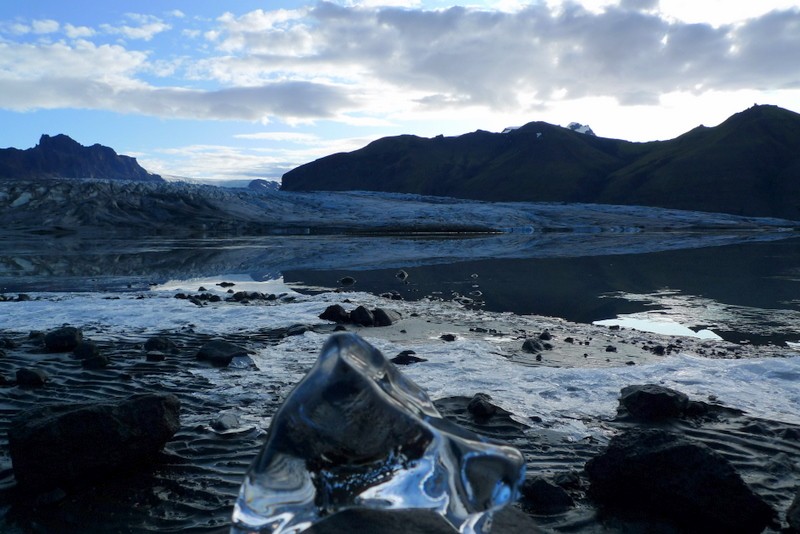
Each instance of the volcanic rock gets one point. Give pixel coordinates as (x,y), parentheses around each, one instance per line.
(661,473)
(63,339)
(67,444)
(220,353)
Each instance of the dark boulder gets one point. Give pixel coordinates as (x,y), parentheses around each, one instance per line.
(541,496)
(220,353)
(362,316)
(666,475)
(384,317)
(335,313)
(793,514)
(651,402)
(481,407)
(8,343)
(63,339)
(546,335)
(509,520)
(71,444)
(31,377)
(533,346)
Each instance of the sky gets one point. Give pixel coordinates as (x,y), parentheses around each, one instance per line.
(231,91)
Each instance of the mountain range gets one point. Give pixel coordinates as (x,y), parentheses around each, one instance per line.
(61,157)
(748,165)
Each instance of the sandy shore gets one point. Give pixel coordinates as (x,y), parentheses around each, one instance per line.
(192,486)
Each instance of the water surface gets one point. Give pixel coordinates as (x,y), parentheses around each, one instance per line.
(743,288)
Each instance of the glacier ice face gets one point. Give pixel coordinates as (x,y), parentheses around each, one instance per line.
(356,433)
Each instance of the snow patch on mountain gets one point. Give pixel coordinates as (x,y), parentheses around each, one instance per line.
(580,128)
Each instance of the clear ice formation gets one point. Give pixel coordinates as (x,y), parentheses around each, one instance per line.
(356,433)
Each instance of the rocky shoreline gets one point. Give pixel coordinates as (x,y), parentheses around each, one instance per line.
(191,483)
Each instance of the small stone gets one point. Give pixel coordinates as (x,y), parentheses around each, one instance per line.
(220,353)
(347,281)
(611,348)
(448,337)
(362,316)
(225,422)
(384,317)
(335,313)
(86,350)
(546,336)
(407,358)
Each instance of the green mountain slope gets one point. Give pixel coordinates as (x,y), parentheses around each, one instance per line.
(748,165)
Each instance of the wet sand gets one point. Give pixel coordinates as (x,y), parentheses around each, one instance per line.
(192,486)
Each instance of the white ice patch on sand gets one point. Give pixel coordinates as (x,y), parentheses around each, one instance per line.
(564,397)
(644,323)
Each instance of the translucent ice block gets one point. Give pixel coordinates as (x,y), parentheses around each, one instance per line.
(356,433)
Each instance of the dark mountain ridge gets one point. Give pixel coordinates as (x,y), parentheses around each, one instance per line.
(61,157)
(748,165)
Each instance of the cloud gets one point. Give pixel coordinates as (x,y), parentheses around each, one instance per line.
(293,137)
(505,60)
(221,162)
(78,32)
(45,26)
(147,27)
(357,63)
(109,77)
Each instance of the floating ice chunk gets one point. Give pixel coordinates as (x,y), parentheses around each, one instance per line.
(356,433)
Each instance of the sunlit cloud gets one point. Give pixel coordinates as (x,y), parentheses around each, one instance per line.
(146,27)
(627,67)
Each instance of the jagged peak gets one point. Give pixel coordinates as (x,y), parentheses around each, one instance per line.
(58,140)
(581,128)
